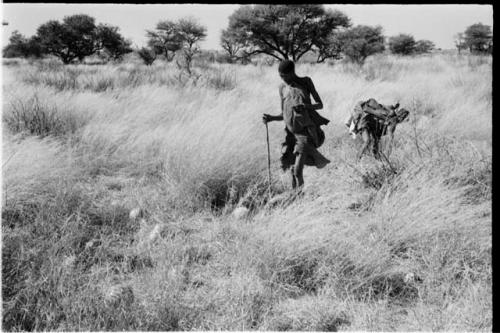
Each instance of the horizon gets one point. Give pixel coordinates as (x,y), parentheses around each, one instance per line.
(420,21)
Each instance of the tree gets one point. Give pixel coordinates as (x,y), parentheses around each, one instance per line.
(361,41)
(190,33)
(78,36)
(21,46)
(110,40)
(331,48)
(424,46)
(231,45)
(460,42)
(165,39)
(402,44)
(284,31)
(182,35)
(478,38)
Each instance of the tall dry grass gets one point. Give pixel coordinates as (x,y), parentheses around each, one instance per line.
(364,249)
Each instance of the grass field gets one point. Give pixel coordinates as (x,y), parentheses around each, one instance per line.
(363,249)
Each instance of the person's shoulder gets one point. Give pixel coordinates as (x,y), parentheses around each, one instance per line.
(306,80)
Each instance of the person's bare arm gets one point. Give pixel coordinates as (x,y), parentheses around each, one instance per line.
(267,117)
(315,95)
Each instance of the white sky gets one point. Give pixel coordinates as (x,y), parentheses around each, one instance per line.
(437,23)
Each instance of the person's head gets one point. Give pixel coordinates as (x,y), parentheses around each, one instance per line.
(286,70)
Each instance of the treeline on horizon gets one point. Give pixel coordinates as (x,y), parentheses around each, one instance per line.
(276,31)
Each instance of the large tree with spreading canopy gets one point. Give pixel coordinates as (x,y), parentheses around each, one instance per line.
(77,36)
(284,31)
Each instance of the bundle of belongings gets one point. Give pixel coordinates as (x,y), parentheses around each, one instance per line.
(371,115)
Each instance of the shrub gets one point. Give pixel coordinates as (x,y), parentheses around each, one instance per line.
(35,118)
(424,46)
(148,56)
(220,80)
(402,44)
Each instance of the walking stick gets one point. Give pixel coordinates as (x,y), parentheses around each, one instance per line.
(268,162)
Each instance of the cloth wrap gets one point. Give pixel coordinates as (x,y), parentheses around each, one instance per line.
(303,134)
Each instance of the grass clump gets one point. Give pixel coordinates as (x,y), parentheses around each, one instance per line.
(36,118)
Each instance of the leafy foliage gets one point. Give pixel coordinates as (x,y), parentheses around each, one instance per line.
(189,32)
(424,46)
(165,39)
(169,37)
(21,46)
(402,44)
(78,36)
(362,41)
(113,44)
(147,55)
(478,38)
(74,38)
(284,31)
(233,48)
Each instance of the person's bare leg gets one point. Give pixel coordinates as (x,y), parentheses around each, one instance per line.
(391,141)
(294,180)
(376,147)
(298,169)
(366,142)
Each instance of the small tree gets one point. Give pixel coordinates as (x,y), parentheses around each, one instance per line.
(478,38)
(148,56)
(362,41)
(20,46)
(165,39)
(190,33)
(182,35)
(110,40)
(230,44)
(402,44)
(460,42)
(424,46)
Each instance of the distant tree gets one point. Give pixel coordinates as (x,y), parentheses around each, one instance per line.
(460,42)
(229,43)
(182,36)
(478,38)
(78,37)
(190,33)
(424,46)
(21,46)
(360,42)
(284,31)
(112,42)
(165,39)
(74,38)
(331,48)
(234,48)
(402,44)
(147,55)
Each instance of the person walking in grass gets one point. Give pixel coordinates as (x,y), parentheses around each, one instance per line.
(303,133)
